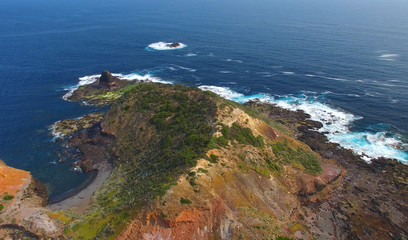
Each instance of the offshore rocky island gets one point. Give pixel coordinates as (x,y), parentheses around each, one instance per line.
(176,162)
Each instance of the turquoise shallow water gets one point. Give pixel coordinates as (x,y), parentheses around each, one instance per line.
(343,62)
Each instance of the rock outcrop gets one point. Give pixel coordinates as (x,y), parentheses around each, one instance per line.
(107,80)
(22,214)
(174,45)
(106,90)
(369,201)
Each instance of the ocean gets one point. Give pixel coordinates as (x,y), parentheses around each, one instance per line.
(343,62)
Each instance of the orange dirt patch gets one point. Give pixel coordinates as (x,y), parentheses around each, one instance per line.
(12,180)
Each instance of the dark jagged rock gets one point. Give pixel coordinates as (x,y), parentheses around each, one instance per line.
(106,90)
(38,188)
(70,126)
(93,147)
(174,45)
(107,80)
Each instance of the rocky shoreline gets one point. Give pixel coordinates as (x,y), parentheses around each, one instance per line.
(293,183)
(367,192)
(372,197)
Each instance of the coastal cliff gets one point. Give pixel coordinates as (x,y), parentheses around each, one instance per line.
(22,206)
(188,164)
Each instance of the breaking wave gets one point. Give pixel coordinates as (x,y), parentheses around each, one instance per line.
(234,60)
(159,46)
(190,55)
(86,80)
(336,122)
(388,56)
(325,77)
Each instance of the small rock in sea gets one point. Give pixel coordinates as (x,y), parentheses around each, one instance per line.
(174,45)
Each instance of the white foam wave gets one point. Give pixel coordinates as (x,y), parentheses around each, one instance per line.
(229,83)
(56,134)
(266,74)
(388,56)
(234,60)
(336,124)
(225,72)
(160,46)
(224,92)
(86,80)
(186,68)
(288,73)
(370,145)
(328,78)
(190,55)
(174,67)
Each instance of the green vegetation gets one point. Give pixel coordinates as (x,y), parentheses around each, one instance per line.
(7,197)
(69,126)
(160,133)
(185,201)
(262,170)
(273,165)
(251,111)
(202,170)
(1,206)
(191,178)
(297,227)
(213,158)
(217,142)
(283,238)
(241,134)
(287,153)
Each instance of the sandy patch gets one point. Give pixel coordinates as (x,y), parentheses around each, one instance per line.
(80,201)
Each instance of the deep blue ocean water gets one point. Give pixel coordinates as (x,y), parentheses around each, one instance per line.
(344,62)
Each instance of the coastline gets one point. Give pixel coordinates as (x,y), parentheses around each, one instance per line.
(81,198)
(335,187)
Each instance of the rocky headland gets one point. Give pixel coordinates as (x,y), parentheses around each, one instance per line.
(182,163)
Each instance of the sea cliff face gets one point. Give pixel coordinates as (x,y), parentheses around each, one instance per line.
(188,164)
(22,206)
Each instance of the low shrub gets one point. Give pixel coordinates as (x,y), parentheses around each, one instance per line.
(185,201)
(8,197)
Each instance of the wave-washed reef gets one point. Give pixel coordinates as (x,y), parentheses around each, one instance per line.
(177,162)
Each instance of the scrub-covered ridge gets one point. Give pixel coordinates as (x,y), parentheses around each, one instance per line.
(188,164)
